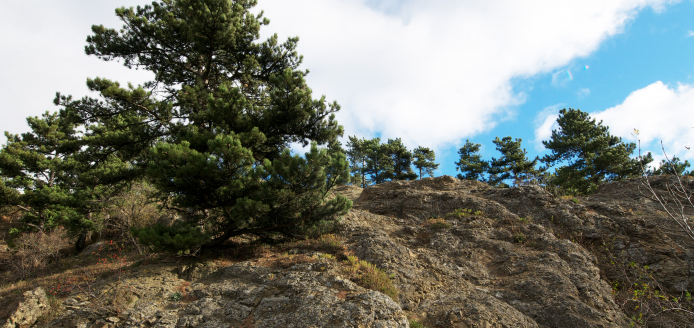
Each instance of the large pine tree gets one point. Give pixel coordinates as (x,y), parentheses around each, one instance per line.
(590,153)
(212,129)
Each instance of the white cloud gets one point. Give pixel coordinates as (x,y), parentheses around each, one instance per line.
(545,122)
(584,92)
(431,72)
(660,113)
(690,33)
(435,72)
(43,52)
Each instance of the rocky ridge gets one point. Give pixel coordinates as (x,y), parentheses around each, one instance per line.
(509,261)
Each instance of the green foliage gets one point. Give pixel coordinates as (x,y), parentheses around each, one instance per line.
(179,237)
(673,166)
(471,165)
(519,237)
(356,153)
(374,162)
(379,162)
(591,154)
(176,296)
(463,212)
(424,161)
(513,163)
(402,160)
(212,130)
(437,224)
(44,173)
(416,324)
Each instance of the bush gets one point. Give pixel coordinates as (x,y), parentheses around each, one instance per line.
(463,212)
(519,237)
(35,249)
(437,224)
(133,207)
(369,276)
(416,324)
(181,237)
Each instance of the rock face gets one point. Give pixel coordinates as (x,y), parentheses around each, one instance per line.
(499,264)
(34,305)
(242,295)
(474,274)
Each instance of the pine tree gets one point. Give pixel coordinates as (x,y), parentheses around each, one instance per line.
(379,162)
(674,166)
(591,154)
(356,153)
(513,163)
(38,170)
(213,129)
(424,161)
(402,160)
(471,165)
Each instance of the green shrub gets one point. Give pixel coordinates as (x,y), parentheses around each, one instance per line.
(519,237)
(463,212)
(416,324)
(437,223)
(177,296)
(179,237)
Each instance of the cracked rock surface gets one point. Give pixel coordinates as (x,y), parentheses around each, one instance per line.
(509,265)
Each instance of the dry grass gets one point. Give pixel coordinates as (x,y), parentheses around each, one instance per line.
(68,273)
(329,249)
(437,224)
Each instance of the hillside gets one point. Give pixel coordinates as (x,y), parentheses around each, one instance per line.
(445,253)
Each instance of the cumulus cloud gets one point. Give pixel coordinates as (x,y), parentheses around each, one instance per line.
(43,52)
(435,72)
(431,72)
(545,122)
(660,113)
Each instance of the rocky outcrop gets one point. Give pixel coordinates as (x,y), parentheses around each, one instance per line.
(241,295)
(515,257)
(475,274)
(34,305)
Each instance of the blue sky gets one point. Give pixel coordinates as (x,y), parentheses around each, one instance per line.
(654,46)
(434,72)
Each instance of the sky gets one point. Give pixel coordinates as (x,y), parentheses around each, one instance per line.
(434,73)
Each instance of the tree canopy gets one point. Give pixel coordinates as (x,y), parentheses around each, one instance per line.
(673,166)
(212,130)
(470,164)
(513,163)
(425,161)
(591,154)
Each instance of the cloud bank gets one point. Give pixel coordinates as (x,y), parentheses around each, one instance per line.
(435,72)
(431,72)
(660,113)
